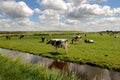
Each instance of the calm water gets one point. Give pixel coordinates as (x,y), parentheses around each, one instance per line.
(84,72)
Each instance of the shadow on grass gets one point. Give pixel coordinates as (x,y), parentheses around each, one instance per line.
(55,53)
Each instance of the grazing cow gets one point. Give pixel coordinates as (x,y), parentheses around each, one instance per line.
(116,37)
(21,36)
(7,37)
(101,33)
(59,43)
(43,39)
(85,35)
(76,38)
(88,41)
(61,65)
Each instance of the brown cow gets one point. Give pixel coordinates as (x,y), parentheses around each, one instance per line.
(76,38)
(8,37)
(21,36)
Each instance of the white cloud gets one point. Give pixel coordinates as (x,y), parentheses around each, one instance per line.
(15,9)
(116,10)
(50,16)
(98,0)
(20,25)
(72,22)
(54,4)
(85,11)
(59,15)
(77,2)
(111,23)
(37,10)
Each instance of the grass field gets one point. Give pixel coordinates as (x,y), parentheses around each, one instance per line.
(105,52)
(13,69)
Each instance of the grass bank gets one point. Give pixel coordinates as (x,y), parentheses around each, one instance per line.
(105,52)
(13,69)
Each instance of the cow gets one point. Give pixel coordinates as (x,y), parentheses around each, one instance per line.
(76,38)
(8,37)
(43,39)
(59,43)
(116,37)
(21,36)
(88,41)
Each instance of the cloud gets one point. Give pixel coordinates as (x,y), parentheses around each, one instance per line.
(23,24)
(71,22)
(15,9)
(80,15)
(54,4)
(50,16)
(98,0)
(84,11)
(37,10)
(77,2)
(110,23)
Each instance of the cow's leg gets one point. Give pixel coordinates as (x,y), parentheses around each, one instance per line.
(66,49)
(56,49)
(72,41)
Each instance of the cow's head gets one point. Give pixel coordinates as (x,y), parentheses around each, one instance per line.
(50,42)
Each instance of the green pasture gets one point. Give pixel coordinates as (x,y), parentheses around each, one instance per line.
(104,52)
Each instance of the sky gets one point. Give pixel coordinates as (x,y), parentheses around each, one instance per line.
(71,15)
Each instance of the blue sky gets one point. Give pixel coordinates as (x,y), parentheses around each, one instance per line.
(112,3)
(40,15)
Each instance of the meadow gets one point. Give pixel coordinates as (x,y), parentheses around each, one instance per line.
(104,52)
(13,69)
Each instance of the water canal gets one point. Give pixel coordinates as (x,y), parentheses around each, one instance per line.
(84,72)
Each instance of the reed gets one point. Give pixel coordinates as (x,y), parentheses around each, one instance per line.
(13,69)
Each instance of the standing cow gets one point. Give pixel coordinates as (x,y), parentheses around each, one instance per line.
(7,37)
(21,36)
(43,39)
(76,38)
(59,43)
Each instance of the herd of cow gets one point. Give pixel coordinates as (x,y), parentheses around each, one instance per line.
(61,43)
(8,37)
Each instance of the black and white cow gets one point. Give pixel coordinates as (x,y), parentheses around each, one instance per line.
(88,41)
(116,37)
(59,43)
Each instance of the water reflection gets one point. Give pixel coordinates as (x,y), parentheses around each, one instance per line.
(84,72)
(61,65)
